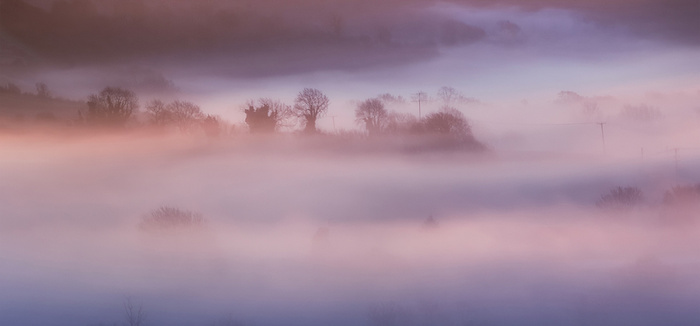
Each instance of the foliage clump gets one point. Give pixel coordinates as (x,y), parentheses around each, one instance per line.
(171,218)
(683,195)
(621,198)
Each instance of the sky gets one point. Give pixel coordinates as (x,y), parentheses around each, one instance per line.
(222,53)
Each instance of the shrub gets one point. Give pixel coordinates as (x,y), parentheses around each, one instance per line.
(621,198)
(168,218)
(683,195)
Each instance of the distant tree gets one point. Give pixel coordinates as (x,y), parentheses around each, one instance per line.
(310,105)
(621,198)
(11,88)
(181,114)
(157,113)
(450,96)
(212,126)
(42,90)
(566,97)
(388,98)
(372,114)
(266,115)
(683,195)
(641,113)
(169,218)
(447,122)
(111,107)
(400,123)
(134,314)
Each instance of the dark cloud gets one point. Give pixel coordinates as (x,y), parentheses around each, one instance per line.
(273,37)
(672,20)
(290,36)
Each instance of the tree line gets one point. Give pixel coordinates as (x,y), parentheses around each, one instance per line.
(115,107)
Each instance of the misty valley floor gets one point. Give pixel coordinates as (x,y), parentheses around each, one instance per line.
(294,235)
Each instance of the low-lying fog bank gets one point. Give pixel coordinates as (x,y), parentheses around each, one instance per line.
(281,233)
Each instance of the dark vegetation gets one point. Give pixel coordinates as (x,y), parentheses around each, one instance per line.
(621,198)
(87,31)
(171,218)
(118,109)
(19,109)
(678,205)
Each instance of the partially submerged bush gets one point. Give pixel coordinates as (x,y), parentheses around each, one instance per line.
(621,198)
(169,218)
(683,195)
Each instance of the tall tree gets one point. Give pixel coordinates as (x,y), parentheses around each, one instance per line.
(373,115)
(447,122)
(310,105)
(265,115)
(181,114)
(112,107)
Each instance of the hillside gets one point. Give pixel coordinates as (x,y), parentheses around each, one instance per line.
(24,107)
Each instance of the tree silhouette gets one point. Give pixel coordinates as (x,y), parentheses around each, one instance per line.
(400,123)
(447,122)
(212,126)
(42,90)
(266,115)
(621,198)
(113,106)
(181,114)
(310,105)
(373,115)
(171,218)
(683,195)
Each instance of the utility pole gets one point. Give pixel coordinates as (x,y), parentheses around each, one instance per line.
(420,97)
(333,117)
(602,133)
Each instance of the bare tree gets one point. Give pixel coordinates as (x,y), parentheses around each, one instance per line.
(400,123)
(389,98)
(181,114)
(212,126)
(373,115)
(310,105)
(113,106)
(134,315)
(266,115)
(158,113)
(450,96)
(42,90)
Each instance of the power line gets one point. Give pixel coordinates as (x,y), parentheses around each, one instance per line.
(534,123)
(420,97)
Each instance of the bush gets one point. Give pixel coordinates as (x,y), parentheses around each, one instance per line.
(169,218)
(621,198)
(683,195)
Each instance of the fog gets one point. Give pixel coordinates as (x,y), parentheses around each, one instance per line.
(312,232)
(569,197)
